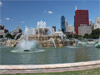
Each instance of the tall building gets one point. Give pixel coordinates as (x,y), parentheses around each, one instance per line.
(84,29)
(3,31)
(66,25)
(97,23)
(54,27)
(91,24)
(80,18)
(70,28)
(1,27)
(63,28)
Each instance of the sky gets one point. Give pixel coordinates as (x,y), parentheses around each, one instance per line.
(14,13)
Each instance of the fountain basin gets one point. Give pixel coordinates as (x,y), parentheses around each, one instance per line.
(12,69)
(97,45)
(49,66)
(12,56)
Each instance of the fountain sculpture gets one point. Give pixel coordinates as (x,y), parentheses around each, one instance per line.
(27,44)
(97,45)
(39,37)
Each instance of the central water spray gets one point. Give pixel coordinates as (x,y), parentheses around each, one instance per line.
(27,44)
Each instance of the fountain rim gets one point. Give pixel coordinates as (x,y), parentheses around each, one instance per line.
(49,66)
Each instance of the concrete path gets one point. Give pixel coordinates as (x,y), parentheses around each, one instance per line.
(13,69)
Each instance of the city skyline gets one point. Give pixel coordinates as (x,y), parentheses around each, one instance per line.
(28,13)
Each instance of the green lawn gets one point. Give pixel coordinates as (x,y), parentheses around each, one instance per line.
(85,72)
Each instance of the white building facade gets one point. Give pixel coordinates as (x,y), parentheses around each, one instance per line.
(97,23)
(84,29)
(70,28)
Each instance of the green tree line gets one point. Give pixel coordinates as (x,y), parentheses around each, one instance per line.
(94,35)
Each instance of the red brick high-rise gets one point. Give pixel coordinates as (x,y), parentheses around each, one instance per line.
(81,18)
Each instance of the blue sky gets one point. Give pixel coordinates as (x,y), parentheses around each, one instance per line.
(23,13)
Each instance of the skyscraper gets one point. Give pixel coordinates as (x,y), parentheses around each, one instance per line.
(3,31)
(80,18)
(66,25)
(63,28)
(70,28)
(54,27)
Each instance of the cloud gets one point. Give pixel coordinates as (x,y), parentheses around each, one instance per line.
(7,19)
(22,22)
(50,12)
(1,3)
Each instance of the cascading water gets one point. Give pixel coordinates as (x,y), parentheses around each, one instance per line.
(51,39)
(27,44)
(17,36)
(97,45)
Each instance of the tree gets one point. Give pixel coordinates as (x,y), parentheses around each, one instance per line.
(9,36)
(86,36)
(95,33)
(1,36)
(69,36)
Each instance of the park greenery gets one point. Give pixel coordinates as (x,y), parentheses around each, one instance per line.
(94,35)
(10,36)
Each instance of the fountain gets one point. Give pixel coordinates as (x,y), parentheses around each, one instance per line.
(97,45)
(35,39)
(51,39)
(17,35)
(39,37)
(41,24)
(26,44)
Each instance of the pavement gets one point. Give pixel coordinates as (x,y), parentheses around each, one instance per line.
(15,69)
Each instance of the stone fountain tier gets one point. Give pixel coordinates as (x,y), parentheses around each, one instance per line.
(44,36)
(12,43)
(43,41)
(50,44)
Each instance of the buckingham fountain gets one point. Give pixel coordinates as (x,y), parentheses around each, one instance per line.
(39,37)
(42,45)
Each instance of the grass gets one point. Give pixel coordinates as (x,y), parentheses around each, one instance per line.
(85,72)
